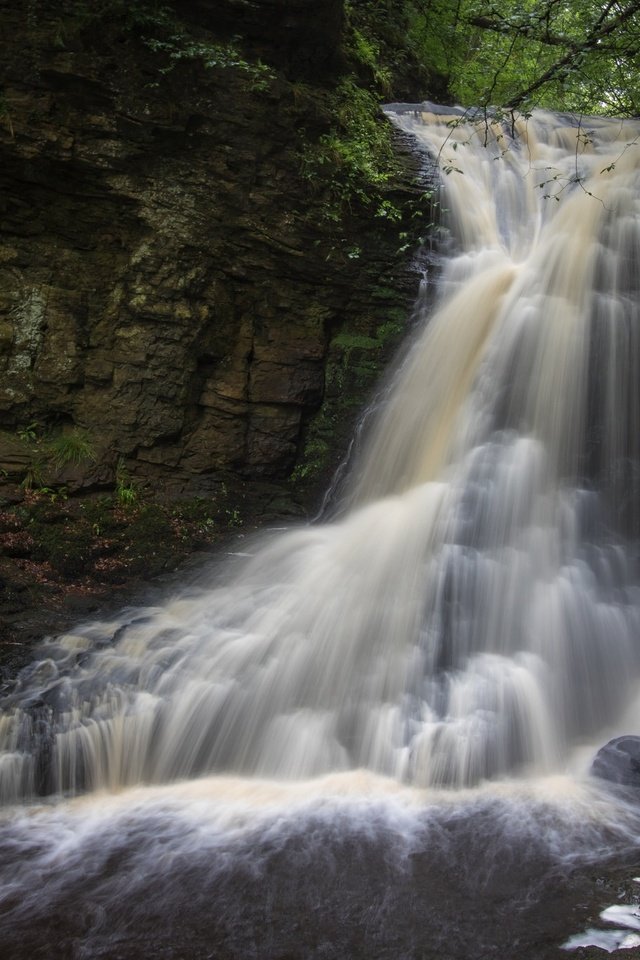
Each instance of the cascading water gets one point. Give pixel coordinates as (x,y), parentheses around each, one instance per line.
(474,616)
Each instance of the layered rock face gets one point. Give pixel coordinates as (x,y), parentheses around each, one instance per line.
(167,282)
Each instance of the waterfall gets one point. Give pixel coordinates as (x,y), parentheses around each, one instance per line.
(476,613)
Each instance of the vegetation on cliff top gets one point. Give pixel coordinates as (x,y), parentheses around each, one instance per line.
(573,55)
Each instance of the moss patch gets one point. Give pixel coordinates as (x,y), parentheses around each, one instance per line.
(355,363)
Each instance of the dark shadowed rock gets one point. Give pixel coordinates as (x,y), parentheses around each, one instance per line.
(169,282)
(619,761)
(301,36)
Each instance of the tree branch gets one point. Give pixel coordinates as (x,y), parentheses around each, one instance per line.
(600,30)
(524,29)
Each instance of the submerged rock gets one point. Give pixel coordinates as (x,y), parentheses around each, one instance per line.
(619,761)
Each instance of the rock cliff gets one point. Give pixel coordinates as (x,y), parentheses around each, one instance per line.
(179,285)
(168,282)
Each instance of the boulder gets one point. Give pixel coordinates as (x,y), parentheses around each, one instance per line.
(619,761)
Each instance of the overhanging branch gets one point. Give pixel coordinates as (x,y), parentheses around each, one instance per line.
(602,28)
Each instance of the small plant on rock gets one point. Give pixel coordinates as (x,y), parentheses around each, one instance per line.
(71,449)
(127,491)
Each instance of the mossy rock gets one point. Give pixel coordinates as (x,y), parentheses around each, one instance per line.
(67,549)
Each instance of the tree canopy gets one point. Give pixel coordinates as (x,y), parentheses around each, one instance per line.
(575,55)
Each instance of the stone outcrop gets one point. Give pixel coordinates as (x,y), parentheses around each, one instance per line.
(619,762)
(167,281)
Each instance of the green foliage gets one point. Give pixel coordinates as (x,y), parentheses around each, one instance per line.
(223,56)
(29,433)
(355,159)
(314,460)
(575,55)
(127,491)
(160,29)
(48,454)
(367,52)
(34,477)
(380,46)
(133,15)
(387,210)
(71,448)
(355,361)
(234,517)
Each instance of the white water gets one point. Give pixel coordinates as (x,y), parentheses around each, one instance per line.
(475,615)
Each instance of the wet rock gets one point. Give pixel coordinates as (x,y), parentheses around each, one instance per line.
(619,761)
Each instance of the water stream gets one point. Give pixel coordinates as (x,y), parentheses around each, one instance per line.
(371,738)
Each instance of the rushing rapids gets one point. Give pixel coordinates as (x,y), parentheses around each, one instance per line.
(474,615)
